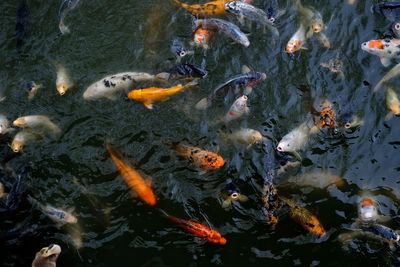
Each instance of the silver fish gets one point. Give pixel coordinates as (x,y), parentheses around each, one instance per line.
(21,138)
(226,27)
(66,6)
(4,125)
(39,123)
(238,109)
(295,140)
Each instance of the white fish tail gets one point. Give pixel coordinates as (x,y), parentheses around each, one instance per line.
(63,28)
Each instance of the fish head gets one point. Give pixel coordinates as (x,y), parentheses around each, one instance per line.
(232,7)
(314,226)
(201,36)
(215,162)
(317,25)
(349,120)
(257,137)
(284,146)
(367,210)
(293,46)
(51,252)
(376,47)
(62,88)
(20,122)
(69,218)
(217,238)
(16,146)
(396,29)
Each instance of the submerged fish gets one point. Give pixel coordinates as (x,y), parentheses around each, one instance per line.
(148,96)
(245,136)
(38,123)
(317,179)
(392,103)
(237,110)
(179,50)
(231,194)
(297,40)
(311,18)
(22,138)
(32,88)
(183,71)
(47,256)
(4,125)
(302,216)
(108,86)
(335,65)
(63,82)
(395,71)
(246,80)
(385,49)
(295,140)
(349,120)
(382,231)
(327,116)
(203,159)
(229,29)
(197,229)
(201,37)
(133,179)
(59,216)
(207,9)
(252,13)
(65,7)
(367,211)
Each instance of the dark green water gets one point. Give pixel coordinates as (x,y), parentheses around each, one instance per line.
(114,36)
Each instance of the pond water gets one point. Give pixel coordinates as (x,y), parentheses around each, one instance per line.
(109,37)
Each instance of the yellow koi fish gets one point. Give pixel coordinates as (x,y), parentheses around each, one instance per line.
(212,8)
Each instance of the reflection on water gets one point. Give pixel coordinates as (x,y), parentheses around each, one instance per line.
(114,226)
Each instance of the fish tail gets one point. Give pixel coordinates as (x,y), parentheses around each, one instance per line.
(63,28)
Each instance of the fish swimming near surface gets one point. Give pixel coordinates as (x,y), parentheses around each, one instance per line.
(247,80)
(148,96)
(63,81)
(305,218)
(295,140)
(237,110)
(65,7)
(382,231)
(231,194)
(4,125)
(133,179)
(272,11)
(178,49)
(252,13)
(183,71)
(349,120)
(108,86)
(228,28)
(327,116)
(297,40)
(47,256)
(32,88)
(213,8)
(203,159)
(310,17)
(201,37)
(245,136)
(367,211)
(22,138)
(316,179)
(58,216)
(392,103)
(197,229)
(385,49)
(394,72)
(38,123)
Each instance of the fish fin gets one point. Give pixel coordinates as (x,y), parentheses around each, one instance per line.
(164,76)
(243,198)
(248,90)
(63,28)
(304,47)
(389,116)
(309,34)
(226,203)
(148,105)
(202,104)
(245,69)
(297,156)
(385,61)
(395,71)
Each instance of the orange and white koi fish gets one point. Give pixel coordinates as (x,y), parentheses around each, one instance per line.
(155,94)
(202,37)
(63,82)
(213,8)
(238,109)
(133,179)
(197,229)
(385,49)
(297,40)
(205,160)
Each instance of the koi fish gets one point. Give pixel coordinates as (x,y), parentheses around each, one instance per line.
(133,179)
(395,71)
(252,13)
(327,116)
(47,256)
(183,71)
(302,216)
(179,50)
(297,40)
(4,125)
(248,80)
(392,103)
(385,49)
(311,17)
(59,216)
(295,140)
(21,138)
(382,231)
(65,8)
(201,37)
(108,86)
(237,110)
(349,120)
(367,210)
(203,159)
(317,179)
(32,88)
(155,94)
(245,136)
(212,8)
(38,123)
(229,29)
(197,229)
(231,194)
(63,82)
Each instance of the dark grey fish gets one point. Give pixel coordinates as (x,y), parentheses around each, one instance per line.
(272,10)
(382,231)
(65,7)
(390,10)
(21,26)
(179,49)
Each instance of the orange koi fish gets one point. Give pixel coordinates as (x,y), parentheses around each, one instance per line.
(198,229)
(212,8)
(202,37)
(302,216)
(133,179)
(155,94)
(205,160)
(327,116)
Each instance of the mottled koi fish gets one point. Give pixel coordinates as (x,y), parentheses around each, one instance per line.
(213,8)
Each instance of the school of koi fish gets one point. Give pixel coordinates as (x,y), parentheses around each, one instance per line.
(214,23)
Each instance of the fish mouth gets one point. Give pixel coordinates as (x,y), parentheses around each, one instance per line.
(279,148)
(52,251)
